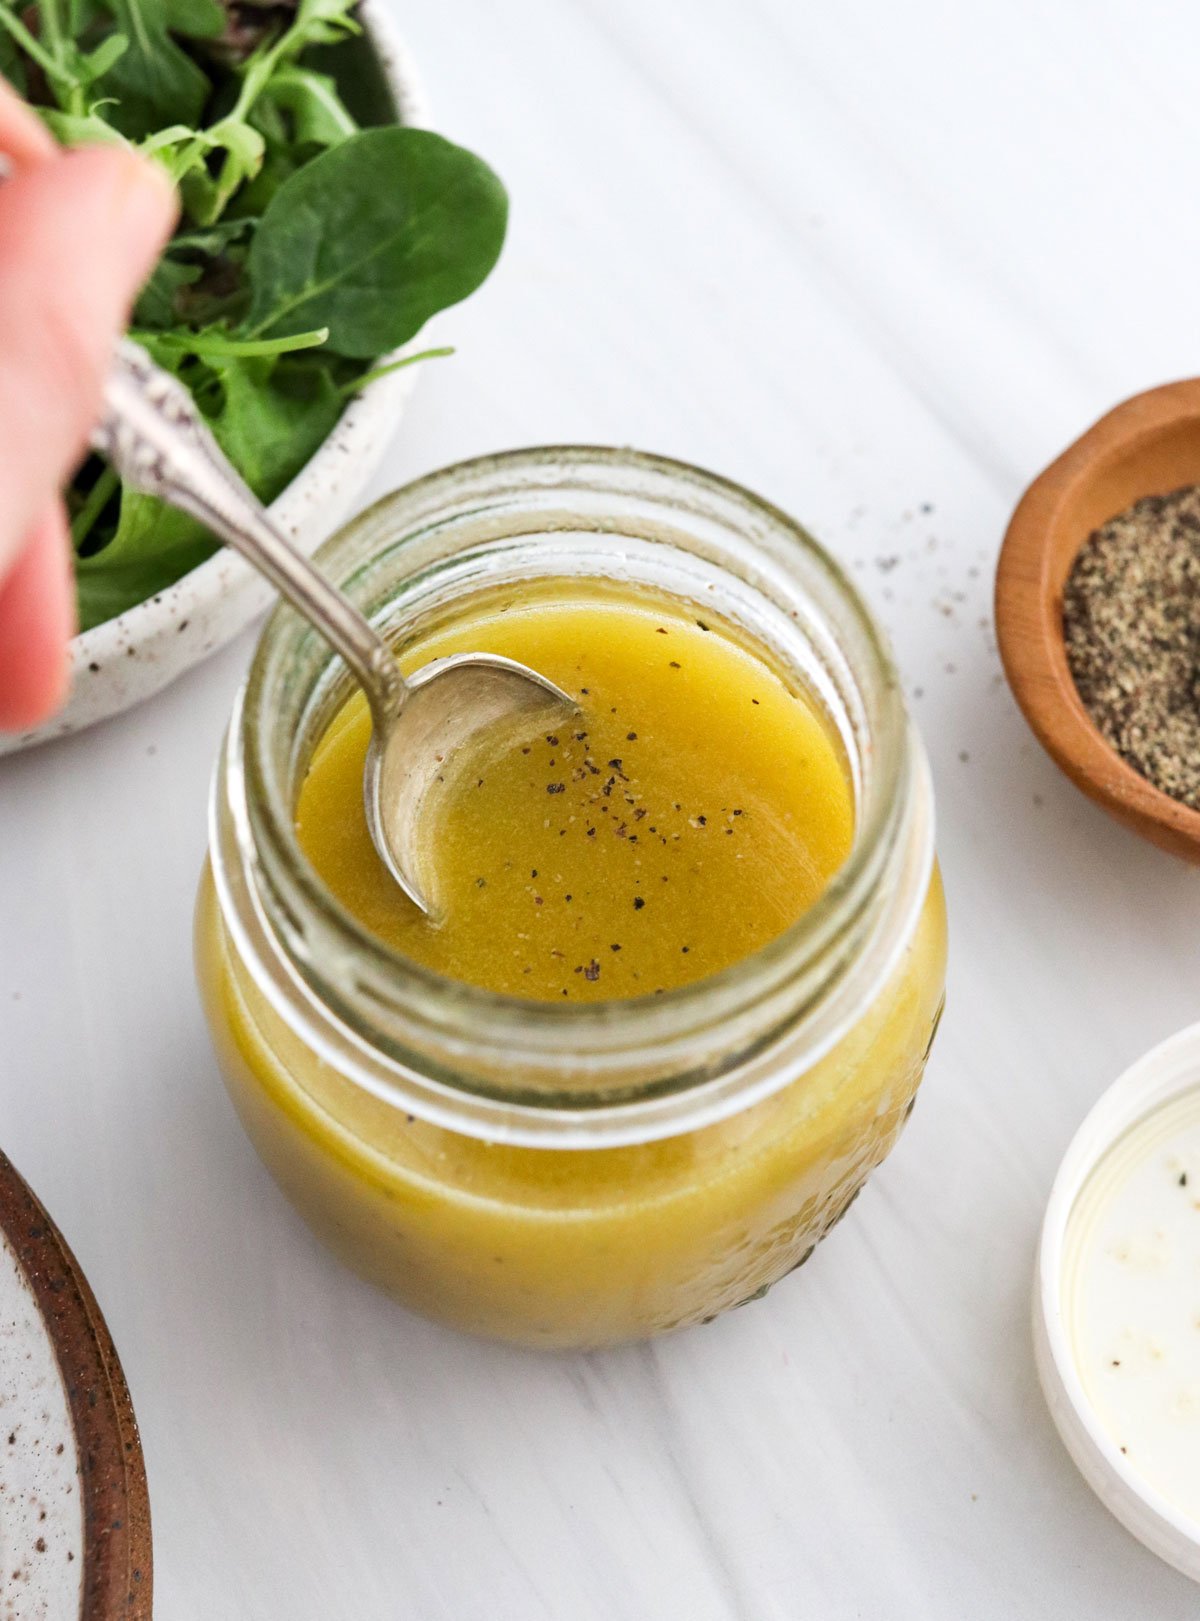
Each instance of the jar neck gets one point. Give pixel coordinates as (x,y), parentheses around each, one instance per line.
(504,1068)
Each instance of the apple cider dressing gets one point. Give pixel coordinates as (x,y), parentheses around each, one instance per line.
(690,811)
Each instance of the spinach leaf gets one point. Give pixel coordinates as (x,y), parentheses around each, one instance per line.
(156,306)
(373,237)
(155,82)
(270,415)
(198,19)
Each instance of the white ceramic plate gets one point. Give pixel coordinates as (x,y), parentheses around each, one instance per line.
(74,1513)
(129,658)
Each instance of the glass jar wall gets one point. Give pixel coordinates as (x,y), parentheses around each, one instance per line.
(574,1175)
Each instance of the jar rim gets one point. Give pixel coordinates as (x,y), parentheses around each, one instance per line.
(607,1029)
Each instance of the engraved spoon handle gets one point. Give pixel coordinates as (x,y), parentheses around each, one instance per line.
(155,438)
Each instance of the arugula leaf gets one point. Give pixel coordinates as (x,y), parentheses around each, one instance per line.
(280,163)
(12,64)
(205,344)
(105,56)
(80,129)
(356,384)
(206,199)
(318,22)
(154,546)
(49,57)
(276,413)
(373,237)
(318,114)
(213,239)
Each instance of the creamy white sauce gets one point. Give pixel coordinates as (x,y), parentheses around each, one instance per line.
(1131,1292)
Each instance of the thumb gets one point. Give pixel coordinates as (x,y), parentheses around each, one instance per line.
(78,235)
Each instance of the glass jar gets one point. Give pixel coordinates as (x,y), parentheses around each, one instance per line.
(581,1174)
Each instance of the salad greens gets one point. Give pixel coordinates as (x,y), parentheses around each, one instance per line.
(309,244)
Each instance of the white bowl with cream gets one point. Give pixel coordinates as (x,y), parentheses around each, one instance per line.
(1117,1300)
(118,663)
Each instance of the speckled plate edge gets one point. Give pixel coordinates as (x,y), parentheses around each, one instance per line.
(117,1568)
(127,659)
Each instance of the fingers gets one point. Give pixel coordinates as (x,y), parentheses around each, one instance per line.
(79,232)
(24,139)
(37,621)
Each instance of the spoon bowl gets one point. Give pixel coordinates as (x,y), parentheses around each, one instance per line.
(447,704)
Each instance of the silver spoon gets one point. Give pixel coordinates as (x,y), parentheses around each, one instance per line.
(156,440)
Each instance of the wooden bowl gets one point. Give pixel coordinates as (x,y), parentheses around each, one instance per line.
(1149,445)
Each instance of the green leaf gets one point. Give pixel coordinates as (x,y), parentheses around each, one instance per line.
(214,239)
(280,164)
(84,129)
(318,22)
(216,342)
(81,14)
(271,416)
(356,385)
(156,306)
(153,547)
(155,83)
(106,55)
(12,65)
(161,142)
(318,114)
(198,19)
(276,413)
(206,198)
(372,238)
(360,243)
(27,42)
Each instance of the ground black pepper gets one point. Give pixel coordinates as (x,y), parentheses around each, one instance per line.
(1131,620)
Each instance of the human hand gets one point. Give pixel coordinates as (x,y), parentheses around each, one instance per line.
(79,233)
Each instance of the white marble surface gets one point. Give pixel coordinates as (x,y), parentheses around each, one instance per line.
(870,258)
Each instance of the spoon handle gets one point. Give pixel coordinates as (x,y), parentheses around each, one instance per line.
(156,439)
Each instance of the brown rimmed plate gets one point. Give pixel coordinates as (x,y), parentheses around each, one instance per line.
(74,1511)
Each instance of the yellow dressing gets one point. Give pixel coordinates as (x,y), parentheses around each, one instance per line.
(691,811)
(573,1247)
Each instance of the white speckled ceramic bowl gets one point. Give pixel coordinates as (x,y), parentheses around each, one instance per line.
(128,658)
(74,1511)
